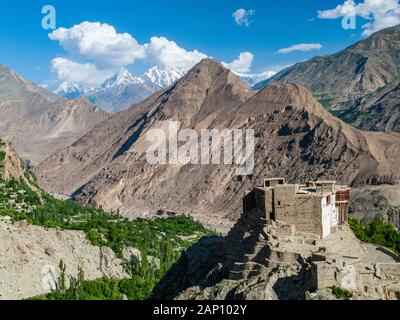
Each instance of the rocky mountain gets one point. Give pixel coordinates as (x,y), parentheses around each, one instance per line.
(295,137)
(379,111)
(354,82)
(39,122)
(13,88)
(119,98)
(379,201)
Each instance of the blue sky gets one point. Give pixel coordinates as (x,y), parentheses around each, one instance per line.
(206,26)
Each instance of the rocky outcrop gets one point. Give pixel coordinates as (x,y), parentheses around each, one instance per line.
(381,202)
(30,255)
(11,165)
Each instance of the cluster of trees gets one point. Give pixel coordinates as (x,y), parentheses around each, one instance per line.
(162,239)
(377,232)
(77,288)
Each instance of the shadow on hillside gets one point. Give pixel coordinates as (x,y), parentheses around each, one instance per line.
(199,266)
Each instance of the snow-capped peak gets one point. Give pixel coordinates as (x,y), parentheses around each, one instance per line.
(252,79)
(70,90)
(154,79)
(163,77)
(122,78)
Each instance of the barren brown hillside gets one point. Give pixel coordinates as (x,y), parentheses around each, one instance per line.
(37,121)
(359,84)
(295,138)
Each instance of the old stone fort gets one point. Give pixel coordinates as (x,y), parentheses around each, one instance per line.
(305,225)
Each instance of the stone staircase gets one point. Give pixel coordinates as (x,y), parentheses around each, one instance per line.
(259,258)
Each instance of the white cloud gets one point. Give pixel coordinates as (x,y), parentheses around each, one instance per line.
(340,11)
(381,13)
(85,74)
(100,50)
(242,64)
(99,42)
(167,53)
(300,47)
(242,16)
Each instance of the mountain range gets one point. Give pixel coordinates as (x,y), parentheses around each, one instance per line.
(123,89)
(37,121)
(295,138)
(359,84)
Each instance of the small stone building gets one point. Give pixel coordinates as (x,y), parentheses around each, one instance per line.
(313,207)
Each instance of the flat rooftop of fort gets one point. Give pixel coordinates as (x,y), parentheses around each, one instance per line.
(319,188)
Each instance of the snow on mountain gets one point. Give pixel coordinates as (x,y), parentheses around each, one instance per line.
(158,76)
(152,80)
(70,90)
(163,77)
(253,79)
(122,78)
(123,89)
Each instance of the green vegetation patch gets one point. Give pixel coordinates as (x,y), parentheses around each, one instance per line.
(324,99)
(340,293)
(135,288)
(161,240)
(377,232)
(353,116)
(2,158)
